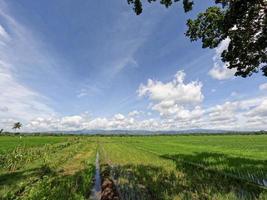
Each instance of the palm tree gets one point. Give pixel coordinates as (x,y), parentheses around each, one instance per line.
(17,125)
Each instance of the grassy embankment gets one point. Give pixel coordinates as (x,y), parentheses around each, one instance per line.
(47,167)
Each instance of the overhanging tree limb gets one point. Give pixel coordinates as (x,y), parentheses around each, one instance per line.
(244,22)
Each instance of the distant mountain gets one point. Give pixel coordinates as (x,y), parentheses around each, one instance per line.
(142,132)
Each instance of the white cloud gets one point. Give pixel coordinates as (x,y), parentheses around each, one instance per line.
(263,86)
(222,46)
(174,92)
(149,113)
(72,121)
(234,94)
(180,107)
(248,114)
(88,91)
(17,100)
(238,114)
(134,113)
(177,102)
(222,113)
(4,36)
(213,90)
(119,117)
(259,110)
(174,98)
(219,70)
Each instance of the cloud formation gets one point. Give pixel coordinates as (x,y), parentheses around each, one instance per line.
(219,70)
(175,105)
(17,100)
(174,97)
(263,86)
(249,114)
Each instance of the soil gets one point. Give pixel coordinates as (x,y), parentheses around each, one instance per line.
(108,189)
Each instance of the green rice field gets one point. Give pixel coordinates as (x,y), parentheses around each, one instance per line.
(139,167)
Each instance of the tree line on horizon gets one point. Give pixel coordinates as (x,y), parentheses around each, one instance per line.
(16,126)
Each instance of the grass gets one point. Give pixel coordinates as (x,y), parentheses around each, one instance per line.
(142,167)
(54,171)
(8,143)
(188,167)
(240,156)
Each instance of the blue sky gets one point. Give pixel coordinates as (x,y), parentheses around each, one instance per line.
(67,65)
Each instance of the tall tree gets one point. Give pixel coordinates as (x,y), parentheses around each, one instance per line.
(17,125)
(243,22)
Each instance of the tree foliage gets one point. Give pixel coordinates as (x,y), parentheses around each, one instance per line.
(17,125)
(244,22)
(137,4)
